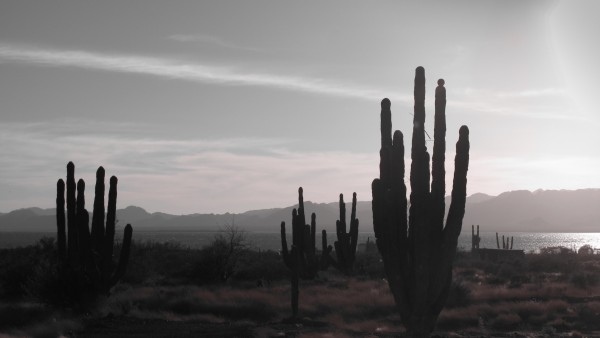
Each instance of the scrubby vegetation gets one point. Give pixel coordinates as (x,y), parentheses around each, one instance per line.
(553,293)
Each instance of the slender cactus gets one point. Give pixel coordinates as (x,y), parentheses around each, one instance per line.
(418,250)
(88,257)
(301,259)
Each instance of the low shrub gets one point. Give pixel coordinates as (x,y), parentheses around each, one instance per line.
(459,294)
(18,265)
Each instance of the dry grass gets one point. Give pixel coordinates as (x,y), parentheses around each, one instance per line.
(349,306)
(24,319)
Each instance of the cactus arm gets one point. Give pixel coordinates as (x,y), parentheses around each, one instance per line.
(313,234)
(438,171)
(284,249)
(109,237)
(60,220)
(124,256)
(98,212)
(459,188)
(301,216)
(399,218)
(387,196)
(71,212)
(83,232)
(353,230)
(419,198)
(326,259)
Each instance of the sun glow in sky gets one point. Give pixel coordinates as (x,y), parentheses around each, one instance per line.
(230,106)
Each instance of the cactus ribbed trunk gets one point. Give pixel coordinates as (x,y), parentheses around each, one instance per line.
(88,266)
(418,250)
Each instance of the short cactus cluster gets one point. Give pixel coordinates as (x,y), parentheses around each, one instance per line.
(506,243)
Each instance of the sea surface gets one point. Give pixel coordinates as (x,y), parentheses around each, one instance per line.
(528,241)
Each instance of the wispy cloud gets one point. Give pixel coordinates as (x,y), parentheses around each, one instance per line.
(180,176)
(535,103)
(208,39)
(196,72)
(200,175)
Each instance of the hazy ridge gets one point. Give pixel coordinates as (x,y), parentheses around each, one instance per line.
(521,210)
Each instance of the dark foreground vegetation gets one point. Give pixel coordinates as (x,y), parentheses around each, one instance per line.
(225,289)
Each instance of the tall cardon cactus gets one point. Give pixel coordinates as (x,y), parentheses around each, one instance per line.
(416,248)
(88,268)
(301,259)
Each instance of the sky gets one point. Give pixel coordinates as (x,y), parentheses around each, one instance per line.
(228,106)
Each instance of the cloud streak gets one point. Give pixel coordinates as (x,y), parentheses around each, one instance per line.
(235,175)
(177,176)
(207,39)
(195,72)
(523,104)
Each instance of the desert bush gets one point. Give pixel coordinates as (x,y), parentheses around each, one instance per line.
(579,280)
(586,250)
(156,262)
(563,262)
(190,302)
(265,266)
(17,265)
(218,260)
(459,294)
(588,314)
(45,283)
(369,264)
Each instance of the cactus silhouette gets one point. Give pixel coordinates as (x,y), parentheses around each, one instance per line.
(345,246)
(418,251)
(475,238)
(506,243)
(87,257)
(302,258)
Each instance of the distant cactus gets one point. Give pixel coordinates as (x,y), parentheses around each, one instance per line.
(87,258)
(475,238)
(302,258)
(506,244)
(418,252)
(345,246)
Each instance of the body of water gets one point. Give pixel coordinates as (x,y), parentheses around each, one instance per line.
(528,241)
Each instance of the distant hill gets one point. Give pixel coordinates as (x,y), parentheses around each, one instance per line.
(538,211)
(521,210)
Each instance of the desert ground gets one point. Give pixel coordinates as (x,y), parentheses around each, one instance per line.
(174,291)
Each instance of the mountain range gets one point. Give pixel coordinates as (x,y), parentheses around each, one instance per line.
(513,211)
